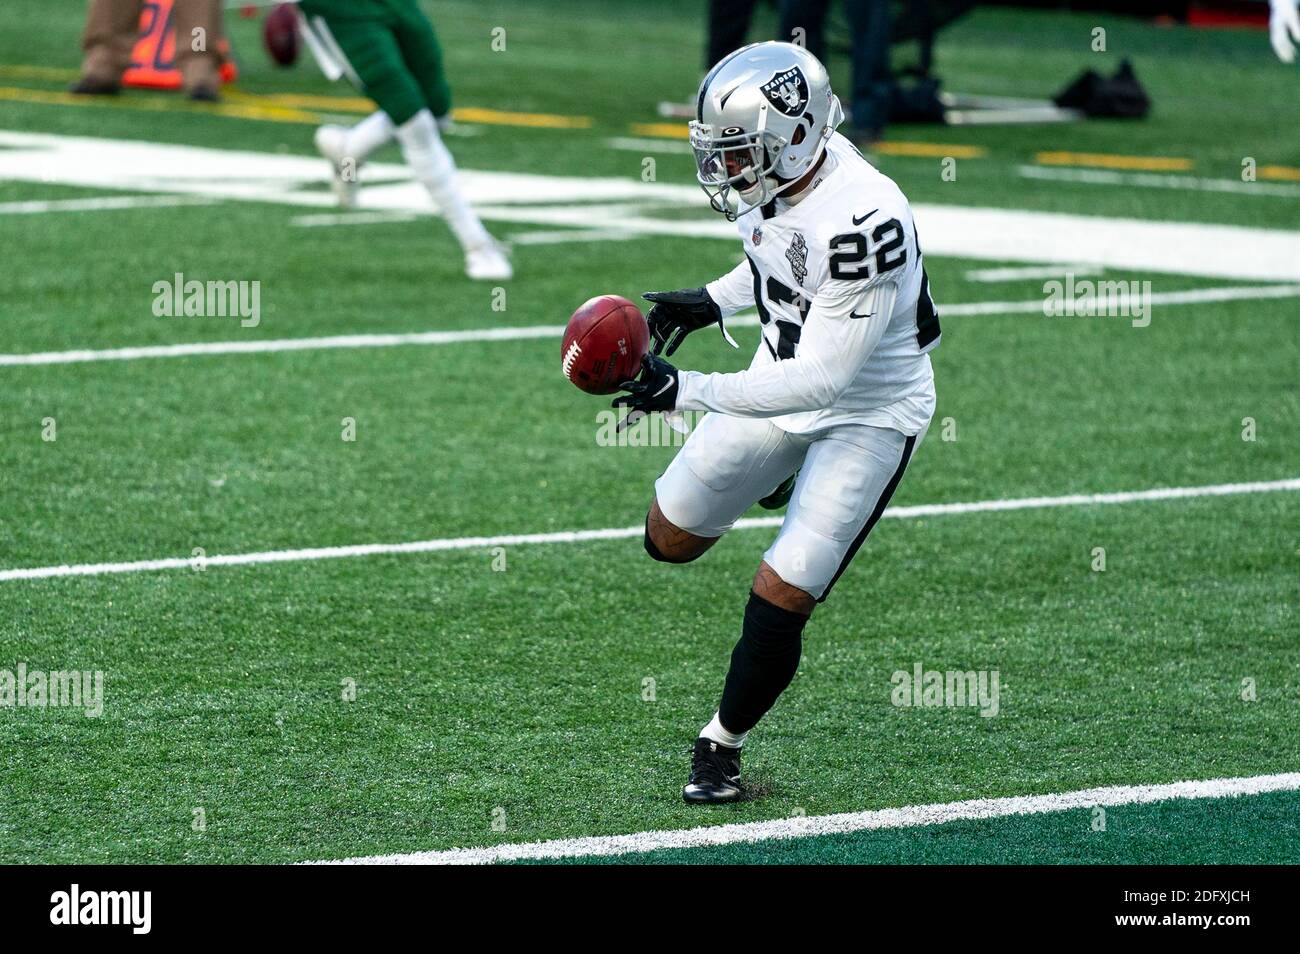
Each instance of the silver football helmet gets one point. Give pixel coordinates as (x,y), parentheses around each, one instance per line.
(762,119)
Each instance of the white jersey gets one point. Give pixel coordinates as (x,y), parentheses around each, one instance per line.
(847,318)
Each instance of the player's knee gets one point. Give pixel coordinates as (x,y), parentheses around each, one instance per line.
(772,587)
(668,543)
(652,548)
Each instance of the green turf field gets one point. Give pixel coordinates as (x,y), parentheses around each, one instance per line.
(501,690)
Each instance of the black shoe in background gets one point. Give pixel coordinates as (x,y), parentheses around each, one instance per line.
(94,86)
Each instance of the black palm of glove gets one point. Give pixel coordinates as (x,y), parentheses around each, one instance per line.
(677,313)
(655,388)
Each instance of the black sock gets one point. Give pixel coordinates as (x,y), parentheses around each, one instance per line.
(762,664)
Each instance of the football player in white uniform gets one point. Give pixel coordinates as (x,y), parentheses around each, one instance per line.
(837,397)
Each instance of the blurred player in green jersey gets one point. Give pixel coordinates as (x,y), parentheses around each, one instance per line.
(388,49)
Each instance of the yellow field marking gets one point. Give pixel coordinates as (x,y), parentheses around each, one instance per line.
(1285,173)
(282,107)
(21,71)
(936,149)
(465,114)
(1108,161)
(661,130)
(236,110)
(345,104)
(929,149)
(496,117)
(361,104)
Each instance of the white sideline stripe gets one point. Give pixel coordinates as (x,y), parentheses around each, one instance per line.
(1192,297)
(103,203)
(620,533)
(912,816)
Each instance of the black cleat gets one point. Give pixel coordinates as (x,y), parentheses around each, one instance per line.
(781,496)
(95,86)
(715,774)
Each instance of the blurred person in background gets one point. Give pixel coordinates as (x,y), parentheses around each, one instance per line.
(389,51)
(112,27)
(873,81)
(728,25)
(1284,29)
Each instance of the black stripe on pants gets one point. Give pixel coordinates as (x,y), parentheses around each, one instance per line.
(881,504)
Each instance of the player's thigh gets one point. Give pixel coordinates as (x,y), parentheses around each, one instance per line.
(375,56)
(726,465)
(422,54)
(847,480)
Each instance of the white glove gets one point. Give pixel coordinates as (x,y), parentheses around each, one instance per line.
(1284,29)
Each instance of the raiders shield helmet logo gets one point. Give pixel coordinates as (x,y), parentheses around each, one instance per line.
(788,91)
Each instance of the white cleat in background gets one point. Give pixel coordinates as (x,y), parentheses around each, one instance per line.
(487,263)
(330,142)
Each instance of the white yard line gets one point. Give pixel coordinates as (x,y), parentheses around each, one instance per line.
(645,144)
(1157,180)
(561,236)
(1019,273)
(1241,253)
(912,816)
(1194,296)
(101,203)
(351,218)
(284,344)
(1032,306)
(620,533)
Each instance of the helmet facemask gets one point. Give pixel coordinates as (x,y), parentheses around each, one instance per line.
(739,162)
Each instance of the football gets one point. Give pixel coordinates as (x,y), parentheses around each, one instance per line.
(604,343)
(280,33)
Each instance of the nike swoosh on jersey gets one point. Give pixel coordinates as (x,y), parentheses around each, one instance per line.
(671,382)
(867,315)
(858,220)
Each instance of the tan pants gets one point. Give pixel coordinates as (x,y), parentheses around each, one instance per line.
(112,26)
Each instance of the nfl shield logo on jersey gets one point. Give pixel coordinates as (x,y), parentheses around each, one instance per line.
(757,237)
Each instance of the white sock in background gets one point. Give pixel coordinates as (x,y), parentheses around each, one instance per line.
(432,164)
(368,135)
(716,733)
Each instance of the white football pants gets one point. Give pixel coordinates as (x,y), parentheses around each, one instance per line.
(847,473)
